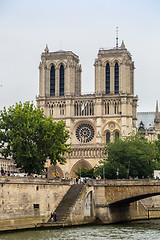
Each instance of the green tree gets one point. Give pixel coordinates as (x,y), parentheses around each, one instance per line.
(132,156)
(84,172)
(157,143)
(30,137)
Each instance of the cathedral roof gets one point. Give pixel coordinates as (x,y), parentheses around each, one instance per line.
(61,51)
(147,118)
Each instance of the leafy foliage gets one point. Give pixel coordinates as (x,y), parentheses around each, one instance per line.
(30,137)
(84,172)
(132,156)
(157,143)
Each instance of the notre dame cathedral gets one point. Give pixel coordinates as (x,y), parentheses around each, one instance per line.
(92,119)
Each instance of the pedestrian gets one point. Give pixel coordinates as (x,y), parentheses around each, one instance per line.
(52,217)
(2,172)
(55,216)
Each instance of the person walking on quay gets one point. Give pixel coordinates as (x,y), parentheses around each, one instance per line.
(55,216)
(2,172)
(52,217)
(74,180)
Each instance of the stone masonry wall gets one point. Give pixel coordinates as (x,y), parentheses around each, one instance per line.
(28,201)
(83,211)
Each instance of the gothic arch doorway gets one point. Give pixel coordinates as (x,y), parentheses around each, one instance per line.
(54,171)
(80,164)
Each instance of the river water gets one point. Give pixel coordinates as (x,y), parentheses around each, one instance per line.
(146,230)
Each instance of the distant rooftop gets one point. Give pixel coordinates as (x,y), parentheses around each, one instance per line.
(147,118)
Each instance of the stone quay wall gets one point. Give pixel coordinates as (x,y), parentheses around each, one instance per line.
(28,202)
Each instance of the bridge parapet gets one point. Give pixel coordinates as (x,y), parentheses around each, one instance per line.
(121,182)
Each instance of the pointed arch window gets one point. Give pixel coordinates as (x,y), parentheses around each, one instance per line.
(107,137)
(116,78)
(52,81)
(107,78)
(115,108)
(61,82)
(116,135)
(106,108)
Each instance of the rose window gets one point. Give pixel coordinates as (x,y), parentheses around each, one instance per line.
(85,133)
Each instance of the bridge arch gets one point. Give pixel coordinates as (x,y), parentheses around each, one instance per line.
(125,191)
(133,199)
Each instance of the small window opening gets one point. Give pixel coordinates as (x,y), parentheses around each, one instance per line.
(36,205)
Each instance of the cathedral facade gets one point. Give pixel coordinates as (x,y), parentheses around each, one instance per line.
(92,119)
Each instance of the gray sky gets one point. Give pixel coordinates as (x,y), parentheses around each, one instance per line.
(83,27)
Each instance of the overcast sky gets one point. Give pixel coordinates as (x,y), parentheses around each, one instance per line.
(83,27)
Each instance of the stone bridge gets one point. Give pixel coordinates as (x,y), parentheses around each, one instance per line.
(118,192)
(118,200)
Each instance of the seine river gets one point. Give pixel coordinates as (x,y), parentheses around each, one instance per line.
(131,231)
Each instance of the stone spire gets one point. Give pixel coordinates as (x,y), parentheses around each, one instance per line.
(156,119)
(156,106)
(123,45)
(46,49)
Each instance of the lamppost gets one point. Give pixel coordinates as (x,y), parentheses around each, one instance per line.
(117,173)
(103,173)
(128,169)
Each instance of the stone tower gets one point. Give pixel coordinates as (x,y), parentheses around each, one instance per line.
(114,71)
(92,119)
(59,76)
(114,79)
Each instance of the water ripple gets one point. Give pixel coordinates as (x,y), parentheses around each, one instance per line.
(136,231)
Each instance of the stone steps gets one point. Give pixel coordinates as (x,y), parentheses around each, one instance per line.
(67,202)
